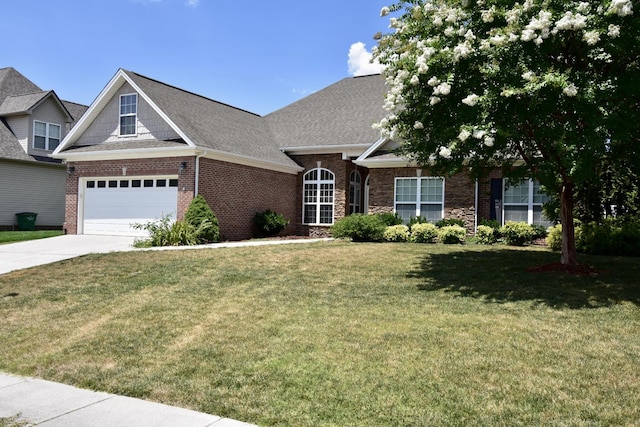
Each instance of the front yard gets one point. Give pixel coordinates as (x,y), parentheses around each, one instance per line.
(337,333)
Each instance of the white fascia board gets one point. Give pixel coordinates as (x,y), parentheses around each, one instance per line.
(372,149)
(386,163)
(249,161)
(350,150)
(135,153)
(160,112)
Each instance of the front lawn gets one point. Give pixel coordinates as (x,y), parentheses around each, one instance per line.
(20,236)
(337,333)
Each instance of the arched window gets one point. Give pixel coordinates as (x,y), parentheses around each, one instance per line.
(355,193)
(318,197)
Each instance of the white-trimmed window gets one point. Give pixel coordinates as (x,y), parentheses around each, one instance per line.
(318,196)
(523,202)
(419,197)
(355,192)
(46,136)
(128,114)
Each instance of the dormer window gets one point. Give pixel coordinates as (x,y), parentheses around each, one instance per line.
(128,112)
(46,136)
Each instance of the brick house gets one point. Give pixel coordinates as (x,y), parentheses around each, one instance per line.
(144,149)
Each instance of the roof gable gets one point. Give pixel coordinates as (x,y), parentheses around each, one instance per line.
(14,83)
(27,103)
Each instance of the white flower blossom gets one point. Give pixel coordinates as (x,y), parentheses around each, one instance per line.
(444,152)
(529,76)
(414,80)
(469,35)
(434,100)
(613,31)
(471,100)
(464,135)
(487,15)
(571,90)
(488,141)
(591,37)
(442,89)
(449,31)
(385,11)
(571,21)
(433,81)
(479,134)
(418,125)
(621,7)
(583,7)
(497,40)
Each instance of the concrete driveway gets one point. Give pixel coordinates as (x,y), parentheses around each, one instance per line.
(16,256)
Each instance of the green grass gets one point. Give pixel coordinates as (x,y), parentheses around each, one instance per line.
(20,236)
(337,333)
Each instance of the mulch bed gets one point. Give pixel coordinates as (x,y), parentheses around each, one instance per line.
(574,270)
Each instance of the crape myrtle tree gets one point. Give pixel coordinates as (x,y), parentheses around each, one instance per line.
(540,89)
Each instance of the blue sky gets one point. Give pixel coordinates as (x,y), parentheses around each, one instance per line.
(256,55)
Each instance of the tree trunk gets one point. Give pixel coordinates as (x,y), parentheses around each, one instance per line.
(569,255)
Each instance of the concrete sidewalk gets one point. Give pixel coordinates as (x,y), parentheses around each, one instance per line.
(48,404)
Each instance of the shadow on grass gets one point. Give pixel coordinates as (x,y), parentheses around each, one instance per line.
(500,275)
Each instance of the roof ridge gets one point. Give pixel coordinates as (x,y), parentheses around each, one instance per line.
(192,93)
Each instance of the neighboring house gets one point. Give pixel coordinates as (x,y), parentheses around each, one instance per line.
(33,122)
(144,149)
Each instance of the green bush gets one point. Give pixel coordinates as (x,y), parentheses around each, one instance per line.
(416,220)
(539,231)
(486,235)
(554,238)
(359,228)
(610,237)
(516,233)
(452,234)
(204,221)
(164,232)
(396,233)
(424,233)
(449,221)
(269,223)
(389,218)
(493,223)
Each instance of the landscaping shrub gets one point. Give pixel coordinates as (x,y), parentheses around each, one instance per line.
(389,218)
(417,220)
(493,223)
(204,221)
(554,238)
(452,234)
(516,233)
(164,232)
(486,235)
(610,237)
(359,228)
(396,233)
(269,223)
(449,221)
(539,231)
(424,233)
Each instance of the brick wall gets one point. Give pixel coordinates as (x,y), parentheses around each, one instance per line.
(342,170)
(459,193)
(237,192)
(134,167)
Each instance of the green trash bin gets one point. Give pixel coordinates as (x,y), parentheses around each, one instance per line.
(26,221)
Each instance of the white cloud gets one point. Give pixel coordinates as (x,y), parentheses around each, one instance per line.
(193,3)
(360,61)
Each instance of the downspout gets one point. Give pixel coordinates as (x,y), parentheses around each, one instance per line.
(197,177)
(475,210)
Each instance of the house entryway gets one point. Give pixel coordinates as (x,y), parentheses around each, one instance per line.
(113,205)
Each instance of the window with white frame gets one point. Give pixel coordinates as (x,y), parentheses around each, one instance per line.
(128,114)
(419,197)
(318,196)
(355,192)
(523,202)
(46,136)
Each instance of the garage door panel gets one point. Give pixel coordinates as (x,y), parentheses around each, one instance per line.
(113,211)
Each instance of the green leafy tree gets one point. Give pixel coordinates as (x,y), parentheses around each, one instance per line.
(200,216)
(538,88)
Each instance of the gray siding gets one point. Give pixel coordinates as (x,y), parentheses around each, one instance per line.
(105,127)
(32,188)
(49,112)
(20,127)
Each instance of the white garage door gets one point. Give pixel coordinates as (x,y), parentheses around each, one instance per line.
(113,205)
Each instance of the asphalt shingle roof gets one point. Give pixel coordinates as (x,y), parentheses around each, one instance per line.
(15,104)
(340,114)
(214,125)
